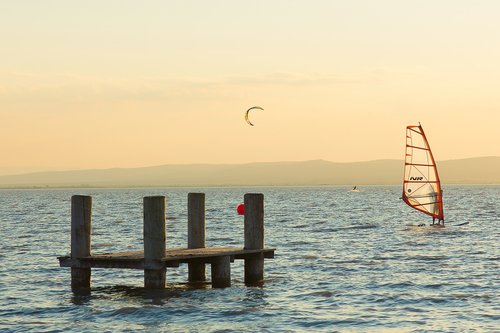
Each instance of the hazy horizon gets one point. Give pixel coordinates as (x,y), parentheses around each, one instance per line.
(122,84)
(35,170)
(482,170)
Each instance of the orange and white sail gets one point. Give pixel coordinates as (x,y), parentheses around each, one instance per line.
(421,185)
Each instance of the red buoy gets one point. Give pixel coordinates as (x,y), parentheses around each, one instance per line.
(241,209)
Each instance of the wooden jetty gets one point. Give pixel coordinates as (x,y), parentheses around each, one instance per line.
(156,257)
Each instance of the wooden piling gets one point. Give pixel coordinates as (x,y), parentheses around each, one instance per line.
(154,240)
(254,237)
(81,229)
(196,234)
(155,258)
(221,272)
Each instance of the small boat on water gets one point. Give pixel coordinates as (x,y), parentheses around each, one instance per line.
(421,184)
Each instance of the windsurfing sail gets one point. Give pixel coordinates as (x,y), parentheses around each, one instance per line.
(421,185)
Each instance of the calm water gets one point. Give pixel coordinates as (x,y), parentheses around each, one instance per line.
(344,262)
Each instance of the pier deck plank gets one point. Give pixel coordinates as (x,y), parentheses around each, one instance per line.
(172,258)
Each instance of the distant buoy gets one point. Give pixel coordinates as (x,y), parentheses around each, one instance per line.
(241,209)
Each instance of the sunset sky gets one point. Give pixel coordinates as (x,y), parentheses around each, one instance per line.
(103,84)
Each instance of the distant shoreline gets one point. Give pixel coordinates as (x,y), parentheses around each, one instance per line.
(472,171)
(347,186)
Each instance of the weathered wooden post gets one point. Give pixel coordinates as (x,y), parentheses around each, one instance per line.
(81,230)
(154,240)
(254,237)
(221,272)
(196,234)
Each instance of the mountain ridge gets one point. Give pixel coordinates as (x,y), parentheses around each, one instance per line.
(477,170)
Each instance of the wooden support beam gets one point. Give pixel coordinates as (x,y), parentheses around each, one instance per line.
(173,258)
(81,230)
(221,272)
(196,234)
(254,237)
(154,240)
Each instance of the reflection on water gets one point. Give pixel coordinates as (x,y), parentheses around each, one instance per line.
(345,261)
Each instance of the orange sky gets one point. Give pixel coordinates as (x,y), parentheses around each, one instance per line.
(125,84)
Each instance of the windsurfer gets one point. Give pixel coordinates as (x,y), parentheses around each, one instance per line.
(421,184)
(438,223)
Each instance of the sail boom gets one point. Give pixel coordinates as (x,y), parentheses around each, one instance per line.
(429,203)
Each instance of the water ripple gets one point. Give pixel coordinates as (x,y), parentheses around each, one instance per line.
(343,263)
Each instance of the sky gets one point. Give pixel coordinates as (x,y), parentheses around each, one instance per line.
(117,84)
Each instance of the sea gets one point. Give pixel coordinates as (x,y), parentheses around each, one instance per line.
(344,262)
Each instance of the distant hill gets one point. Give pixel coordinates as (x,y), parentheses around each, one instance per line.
(481,170)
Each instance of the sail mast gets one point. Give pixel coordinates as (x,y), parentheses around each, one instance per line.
(440,216)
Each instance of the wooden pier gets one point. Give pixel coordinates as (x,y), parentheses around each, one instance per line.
(156,257)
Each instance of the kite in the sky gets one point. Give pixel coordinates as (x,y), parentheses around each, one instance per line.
(252,108)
